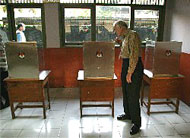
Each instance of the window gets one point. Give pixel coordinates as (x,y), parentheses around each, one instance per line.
(95,23)
(146,24)
(77,25)
(4,33)
(31,17)
(106,16)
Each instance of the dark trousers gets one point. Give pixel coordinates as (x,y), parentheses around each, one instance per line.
(131,91)
(3,90)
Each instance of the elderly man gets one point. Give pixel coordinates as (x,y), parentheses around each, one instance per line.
(131,75)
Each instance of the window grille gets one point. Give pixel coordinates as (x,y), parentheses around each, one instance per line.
(130,2)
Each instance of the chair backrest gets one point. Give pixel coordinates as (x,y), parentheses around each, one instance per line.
(22,59)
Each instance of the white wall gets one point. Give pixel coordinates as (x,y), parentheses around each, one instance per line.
(177,22)
(52,25)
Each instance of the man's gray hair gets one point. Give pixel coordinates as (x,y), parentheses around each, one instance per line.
(120,23)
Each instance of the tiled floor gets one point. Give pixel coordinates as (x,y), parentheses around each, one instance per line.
(63,120)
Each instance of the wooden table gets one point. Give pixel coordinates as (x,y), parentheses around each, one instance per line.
(28,90)
(161,87)
(96,90)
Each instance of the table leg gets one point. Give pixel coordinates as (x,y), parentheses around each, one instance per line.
(21,105)
(113,108)
(12,110)
(177,105)
(142,93)
(44,109)
(148,107)
(80,108)
(48,95)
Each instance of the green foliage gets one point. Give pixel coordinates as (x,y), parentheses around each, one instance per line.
(3,8)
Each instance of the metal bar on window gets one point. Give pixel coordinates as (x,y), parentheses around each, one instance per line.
(131,2)
(132,18)
(93,24)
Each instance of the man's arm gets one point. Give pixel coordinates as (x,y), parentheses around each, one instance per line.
(19,37)
(133,55)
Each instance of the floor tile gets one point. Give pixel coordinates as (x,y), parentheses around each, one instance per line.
(10,133)
(32,133)
(183,129)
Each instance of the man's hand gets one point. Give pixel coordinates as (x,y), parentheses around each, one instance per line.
(128,78)
(117,40)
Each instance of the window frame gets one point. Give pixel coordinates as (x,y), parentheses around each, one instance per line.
(11,18)
(92,17)
(161,20)
(116,5)
(92,6)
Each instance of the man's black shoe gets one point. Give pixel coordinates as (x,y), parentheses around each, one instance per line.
(134,129)
(123,117)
